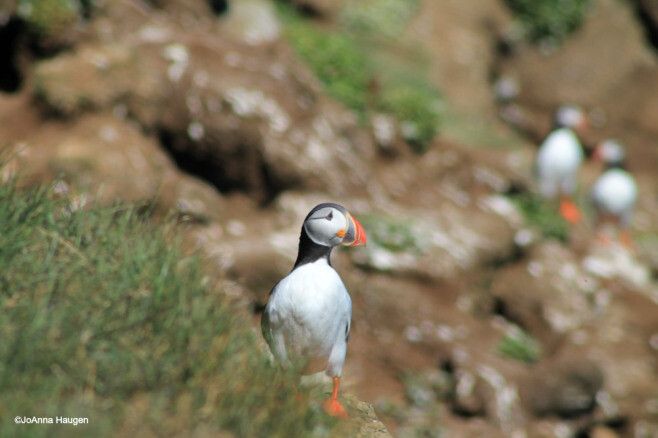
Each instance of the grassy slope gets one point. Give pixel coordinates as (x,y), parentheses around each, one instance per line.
(355,61)
(101,317)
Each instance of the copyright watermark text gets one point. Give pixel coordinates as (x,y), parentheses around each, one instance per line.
(74,421)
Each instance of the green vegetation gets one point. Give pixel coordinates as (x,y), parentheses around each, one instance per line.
(103,317)
(540,214)
(519,345)
(336,59)
(373,18)
(49,19)
(348,61)
(414,106)
(551,20)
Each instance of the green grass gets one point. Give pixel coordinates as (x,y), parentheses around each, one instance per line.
(49,18)
(102,316)
(540,214)
(348,61)
(336,59)
(414,105)
(519,345)
(378,18)
(549,20)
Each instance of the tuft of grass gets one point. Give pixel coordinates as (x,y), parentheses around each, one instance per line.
(520,346)
(335,58)
(348,61)
(103,317)
(549,20)
(373,18)
(50,20)
(415,106)
(539,214)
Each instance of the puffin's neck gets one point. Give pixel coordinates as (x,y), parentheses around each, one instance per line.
(310,251)
(556,125)
(616,165)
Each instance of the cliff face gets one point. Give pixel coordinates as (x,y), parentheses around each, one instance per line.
(470,317)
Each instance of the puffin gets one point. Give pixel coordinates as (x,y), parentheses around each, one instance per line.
(306,321)
(614,193)
(559,158)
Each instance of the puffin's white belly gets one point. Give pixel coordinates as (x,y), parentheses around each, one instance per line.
(309,314)
(615,192)
(558,161)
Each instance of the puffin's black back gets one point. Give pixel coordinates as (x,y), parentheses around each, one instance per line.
(309,251)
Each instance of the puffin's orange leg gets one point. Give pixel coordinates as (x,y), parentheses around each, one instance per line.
(569,210)
(332,406)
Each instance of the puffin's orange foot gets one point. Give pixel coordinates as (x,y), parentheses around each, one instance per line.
(570,211)
(333,408)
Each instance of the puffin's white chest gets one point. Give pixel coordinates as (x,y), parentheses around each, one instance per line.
(309,308)
(560,155)
(615,192)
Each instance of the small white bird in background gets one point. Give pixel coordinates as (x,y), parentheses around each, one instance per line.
(614,193)
(308,313)
(559,158)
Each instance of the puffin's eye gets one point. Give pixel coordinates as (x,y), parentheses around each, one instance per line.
(329,216)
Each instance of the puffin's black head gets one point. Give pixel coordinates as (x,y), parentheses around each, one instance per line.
(328,225)
(571,116)
(611,153)
(331,225)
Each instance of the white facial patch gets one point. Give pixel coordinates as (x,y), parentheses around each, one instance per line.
(612,151)
(569,116)
(322,227)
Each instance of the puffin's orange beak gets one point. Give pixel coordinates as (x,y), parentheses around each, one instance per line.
(354,235)
(583,126)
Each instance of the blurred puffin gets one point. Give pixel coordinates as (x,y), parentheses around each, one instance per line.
(307,317)
(559,158)
(614,193)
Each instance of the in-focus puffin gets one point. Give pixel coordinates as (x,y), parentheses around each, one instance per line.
(307,318)
(614,193)
(559,158)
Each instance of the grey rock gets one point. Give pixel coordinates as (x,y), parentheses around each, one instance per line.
(567,389)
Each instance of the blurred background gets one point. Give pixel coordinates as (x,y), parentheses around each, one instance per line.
(478,311)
